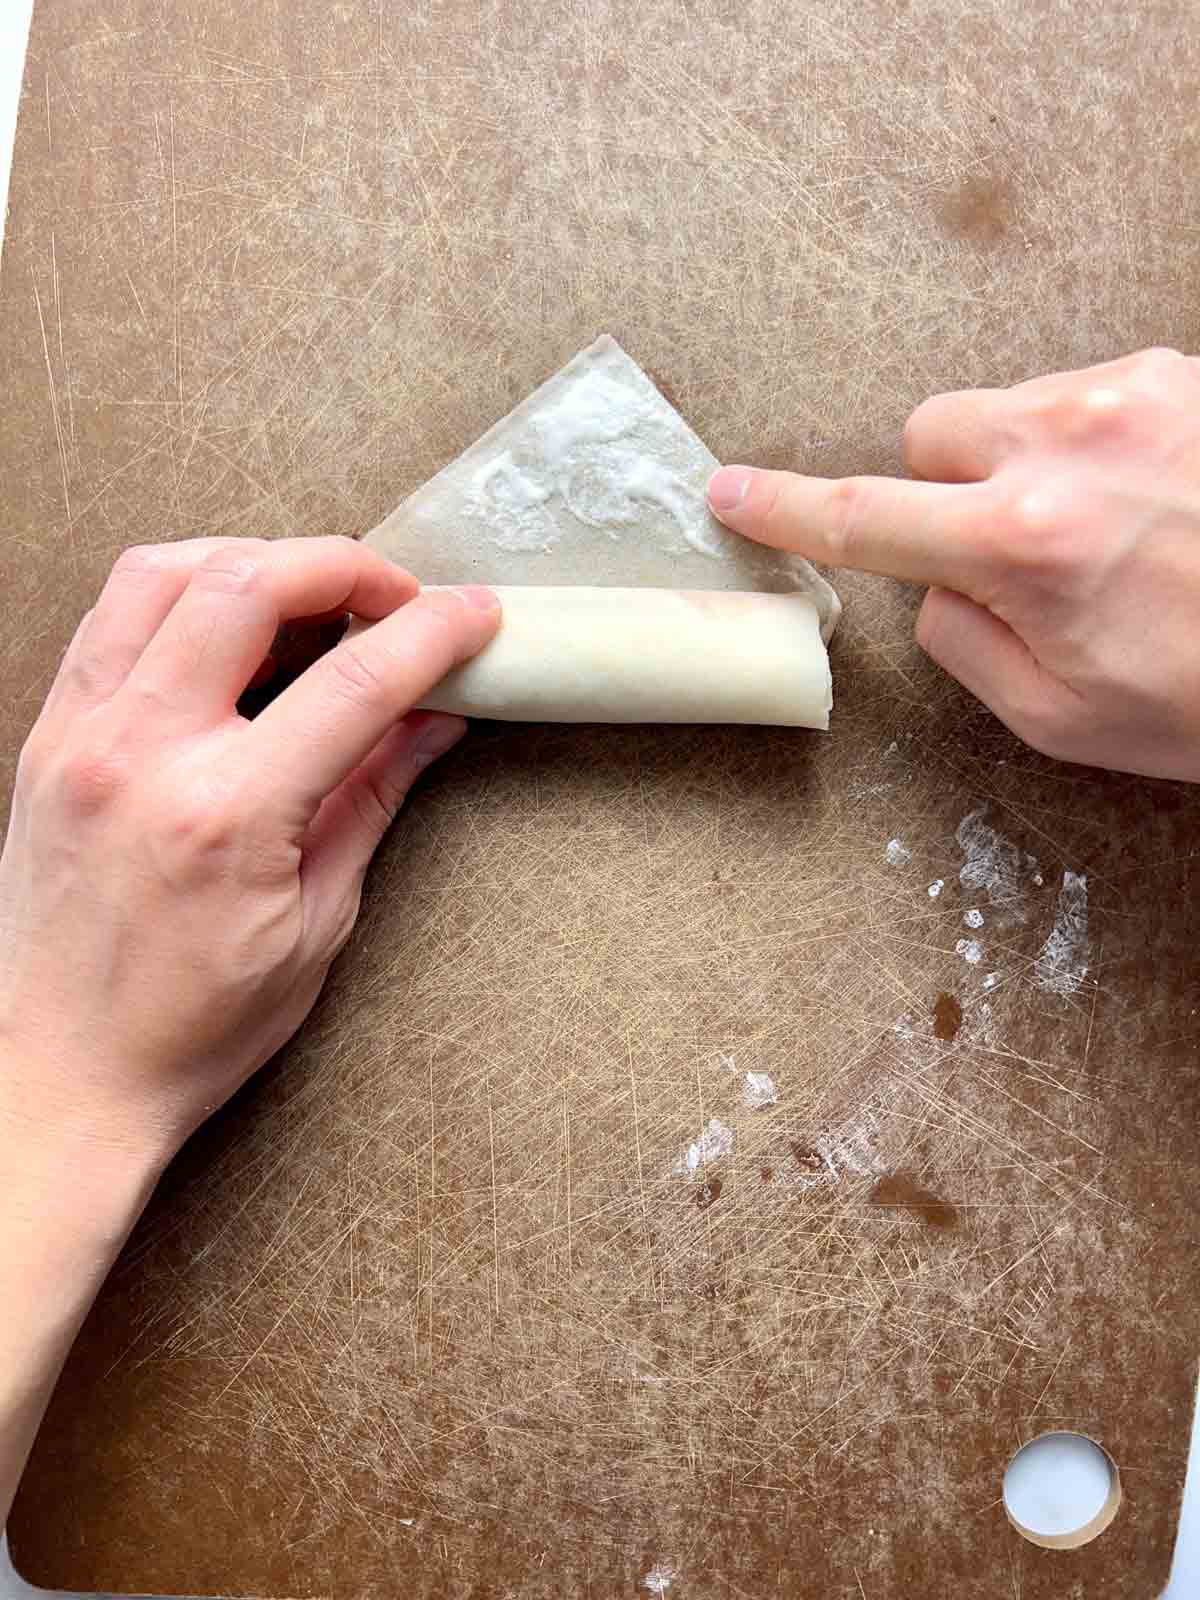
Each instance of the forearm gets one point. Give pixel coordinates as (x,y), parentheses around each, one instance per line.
(68,1199)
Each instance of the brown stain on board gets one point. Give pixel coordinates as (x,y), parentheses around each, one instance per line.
(980,210)
(708,1193)
(906,1193)
(947,1017)
(807,1159)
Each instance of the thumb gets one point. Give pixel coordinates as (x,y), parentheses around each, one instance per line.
(998,667)
(352,820)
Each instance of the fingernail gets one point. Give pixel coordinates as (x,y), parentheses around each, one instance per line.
(727,488)
(477,596)
(435,738)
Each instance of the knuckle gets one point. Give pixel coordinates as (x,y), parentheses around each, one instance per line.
(1033,514)
(1157,358)
(377,800)
(353,674)
(1039,530)
(203,826)
(207,815)
(1153,358)
(444,614)
(1162,379)
(142,561)
(229,572)
(1087,412)
(92,778)
(1098,408)
(1144,379)
(87,670)
(340,548)
(847,502)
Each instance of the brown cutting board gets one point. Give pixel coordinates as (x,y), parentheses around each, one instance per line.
(437,1308)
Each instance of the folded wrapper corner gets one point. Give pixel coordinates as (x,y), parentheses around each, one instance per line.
(624,599)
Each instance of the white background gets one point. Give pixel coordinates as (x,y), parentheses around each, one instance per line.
(14,31)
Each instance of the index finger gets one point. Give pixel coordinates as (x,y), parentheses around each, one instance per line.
(915,531)
(323,725)
(232,602)
(149,581)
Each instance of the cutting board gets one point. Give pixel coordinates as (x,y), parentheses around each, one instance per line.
(506,1278)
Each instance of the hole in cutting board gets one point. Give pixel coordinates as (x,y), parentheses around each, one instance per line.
(1061,1491)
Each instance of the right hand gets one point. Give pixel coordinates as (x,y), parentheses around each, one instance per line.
(1058,524)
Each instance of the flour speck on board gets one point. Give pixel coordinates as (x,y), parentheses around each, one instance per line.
(981,1025)
(1062,963)
(973,918)
(994,864)
(758,1089)
(935,888)
(990,980)
(715,1141)
(897,853)
(970,950)
(659,1579)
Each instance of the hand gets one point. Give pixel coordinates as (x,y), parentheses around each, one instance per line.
(176,881)
(1058,523)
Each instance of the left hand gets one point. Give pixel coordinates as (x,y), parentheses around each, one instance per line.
(176,880)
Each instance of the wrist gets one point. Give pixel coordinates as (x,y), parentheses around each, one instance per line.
(69,1194)
(60,1137)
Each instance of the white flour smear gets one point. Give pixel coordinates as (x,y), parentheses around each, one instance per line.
(715,1141)
(758,1089)
(994,864)
(979,1026)
(849,1150)
(659,1579)
(1062,963)
(602,450)
(897,853)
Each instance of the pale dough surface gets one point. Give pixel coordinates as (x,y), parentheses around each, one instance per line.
(647,655)
(596,483)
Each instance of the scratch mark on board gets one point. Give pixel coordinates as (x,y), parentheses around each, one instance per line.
(58,432)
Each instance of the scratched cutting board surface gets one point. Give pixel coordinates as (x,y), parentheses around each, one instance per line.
(506,1279)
